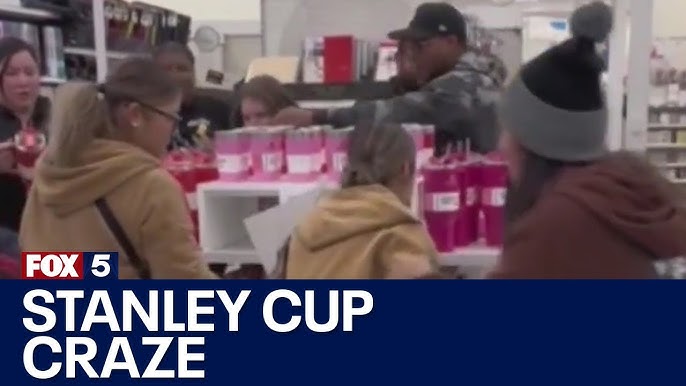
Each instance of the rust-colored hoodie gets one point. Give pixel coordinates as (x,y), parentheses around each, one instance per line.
(60,214)
(362,232)
(610,220)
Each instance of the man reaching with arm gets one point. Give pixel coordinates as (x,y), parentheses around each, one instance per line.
(457,94)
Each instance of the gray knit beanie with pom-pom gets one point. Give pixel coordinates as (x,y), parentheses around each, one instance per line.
(555,106)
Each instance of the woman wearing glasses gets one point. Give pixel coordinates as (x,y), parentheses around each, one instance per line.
(100,186)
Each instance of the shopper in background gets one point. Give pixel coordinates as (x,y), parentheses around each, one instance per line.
(575,210)
(261,98)
(366,230)
(198,113)
(20,106)
(406,78)
(458,94)
(100,186)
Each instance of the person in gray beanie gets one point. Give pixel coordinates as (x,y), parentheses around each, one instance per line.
(575,210)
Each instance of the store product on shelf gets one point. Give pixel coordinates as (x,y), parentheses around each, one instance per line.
(336,151)
(233,154)
(493,192)
(441,201)
(304,149)
(464,199)
(180,163)
(267,148)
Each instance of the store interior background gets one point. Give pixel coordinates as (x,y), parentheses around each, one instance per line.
(241,24)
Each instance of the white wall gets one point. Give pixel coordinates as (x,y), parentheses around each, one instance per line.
(669,18)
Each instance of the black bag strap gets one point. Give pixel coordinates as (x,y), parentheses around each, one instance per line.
(123,240)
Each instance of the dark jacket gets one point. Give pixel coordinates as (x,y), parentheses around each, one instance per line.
(12,188)
(460,104)
(612,220)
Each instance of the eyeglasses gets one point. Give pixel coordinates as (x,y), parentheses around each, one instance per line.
(175,118)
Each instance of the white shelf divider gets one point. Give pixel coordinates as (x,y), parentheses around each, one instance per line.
(223,206)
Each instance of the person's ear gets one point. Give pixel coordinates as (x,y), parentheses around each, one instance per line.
(134,114)
(407,170)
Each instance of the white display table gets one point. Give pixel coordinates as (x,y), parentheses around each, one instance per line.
(222,207)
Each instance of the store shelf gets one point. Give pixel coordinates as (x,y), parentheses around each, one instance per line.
(232,255)
(666,146)
(280,188)
(110,54)
(47,80)
(672,165)
(671,126)
(15,12)
(478,256)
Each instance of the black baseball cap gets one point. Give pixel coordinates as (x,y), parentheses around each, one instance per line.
(432,20)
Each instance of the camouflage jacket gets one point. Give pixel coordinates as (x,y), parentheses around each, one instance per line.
(461,105)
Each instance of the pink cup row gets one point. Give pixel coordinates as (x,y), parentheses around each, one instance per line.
(463,201)
(277,152)
(274,153)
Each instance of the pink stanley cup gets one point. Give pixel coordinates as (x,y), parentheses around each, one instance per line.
(336,151)
(441,202)
(304,153)
(494,189)
(472,203)
(429,142)
(267,146)
(417,132)
(29,143)
(180,164)
(233,154)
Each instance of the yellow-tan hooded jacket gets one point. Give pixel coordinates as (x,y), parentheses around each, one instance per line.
(361,232)
(60,214)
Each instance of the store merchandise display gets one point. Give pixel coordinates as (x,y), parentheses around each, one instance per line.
(667,120)
(248,167)
(463,196)
(130,28)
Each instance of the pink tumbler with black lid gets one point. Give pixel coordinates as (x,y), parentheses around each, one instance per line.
(416,131)
(441,202)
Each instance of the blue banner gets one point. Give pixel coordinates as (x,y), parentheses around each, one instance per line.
(342,332)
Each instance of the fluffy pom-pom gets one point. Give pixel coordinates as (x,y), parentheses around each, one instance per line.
(592,21)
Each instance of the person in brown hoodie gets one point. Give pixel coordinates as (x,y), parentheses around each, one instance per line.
(575,210)
(100,185)
(366,229)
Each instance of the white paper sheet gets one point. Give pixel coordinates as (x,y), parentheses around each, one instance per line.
(269,229)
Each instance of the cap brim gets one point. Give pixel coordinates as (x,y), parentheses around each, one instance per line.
(409,34)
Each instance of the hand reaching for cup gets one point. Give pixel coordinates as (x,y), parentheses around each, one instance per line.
(293,116)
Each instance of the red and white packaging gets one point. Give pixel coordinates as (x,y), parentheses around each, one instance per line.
(29,144)
(267,146)
(441,201)
(180,163)
(233,154)
(336,150)
(304,153)
(494,178)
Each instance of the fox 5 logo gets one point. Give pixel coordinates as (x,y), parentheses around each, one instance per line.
(69,265)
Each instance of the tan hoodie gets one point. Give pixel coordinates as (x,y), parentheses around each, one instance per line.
(60,214)
(361,233)
(610,220)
